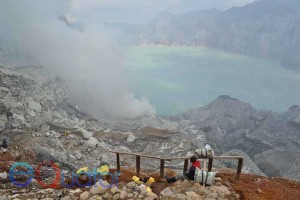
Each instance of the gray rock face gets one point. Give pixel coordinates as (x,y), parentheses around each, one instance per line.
(249,165)
(36,99)
(267,138)
(32,98)
(265,29)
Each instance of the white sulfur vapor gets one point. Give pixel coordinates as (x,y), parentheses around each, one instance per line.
(90,60)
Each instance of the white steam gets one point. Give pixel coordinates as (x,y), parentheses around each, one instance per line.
(90,61)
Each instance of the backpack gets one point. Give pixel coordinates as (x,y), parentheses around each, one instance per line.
(206,152)
(204,177)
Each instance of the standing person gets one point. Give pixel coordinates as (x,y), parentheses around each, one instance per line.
(9,115)
(187,175)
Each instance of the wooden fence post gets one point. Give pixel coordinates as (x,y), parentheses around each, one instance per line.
(239,169)
(118,163)
(210,162)
(162,168)
(138,166)
(186,163)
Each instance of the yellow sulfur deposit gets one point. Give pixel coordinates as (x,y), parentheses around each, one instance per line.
(137,180)
(83,169)
(103,170)
(150,181)
(149,189)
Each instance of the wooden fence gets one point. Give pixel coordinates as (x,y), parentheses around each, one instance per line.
(186,162)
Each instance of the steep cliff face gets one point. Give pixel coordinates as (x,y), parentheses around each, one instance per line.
(265,28)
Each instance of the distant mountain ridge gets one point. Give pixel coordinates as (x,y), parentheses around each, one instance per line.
(270,139)
(266,29)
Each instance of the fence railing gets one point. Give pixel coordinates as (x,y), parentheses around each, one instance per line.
(185,166)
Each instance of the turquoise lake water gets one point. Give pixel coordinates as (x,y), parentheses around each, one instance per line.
(175,79)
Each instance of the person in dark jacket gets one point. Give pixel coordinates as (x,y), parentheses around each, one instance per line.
(187,175)
(4,144)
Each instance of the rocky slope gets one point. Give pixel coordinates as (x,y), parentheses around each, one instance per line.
(52,128)
(271,140)
(265,28)
(43,120)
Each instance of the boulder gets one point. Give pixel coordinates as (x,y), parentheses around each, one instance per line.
(220,190)
(135,194)
(92,142)
(98,188)
(33,105)
(17,121)
(192,195)
(151,195)
(197,188)
(115,190)
(107,195)
(95,198)
(85,195)
(116,196)
(131,185)
(78,155)
(3,175)
(167,192)
(130,137)
(129,195)
(143,189)
(259,191)
(86,134)
(48,134)
(123,194)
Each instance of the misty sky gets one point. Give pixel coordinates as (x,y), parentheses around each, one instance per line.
(130,11)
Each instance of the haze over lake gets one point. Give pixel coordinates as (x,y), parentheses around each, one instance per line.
(175,79)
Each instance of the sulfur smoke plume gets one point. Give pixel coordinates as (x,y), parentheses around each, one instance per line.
(87,57)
